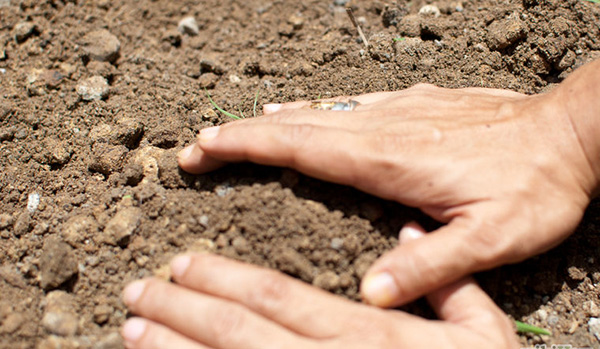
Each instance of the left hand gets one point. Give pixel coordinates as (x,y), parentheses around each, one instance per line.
(219,303)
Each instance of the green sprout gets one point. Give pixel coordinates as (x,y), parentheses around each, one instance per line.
(233,116)
(402,39)
(594,1)
(526,328)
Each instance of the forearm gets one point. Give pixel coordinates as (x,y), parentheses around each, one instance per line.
(580,96)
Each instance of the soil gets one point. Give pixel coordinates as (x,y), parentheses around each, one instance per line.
(97,97)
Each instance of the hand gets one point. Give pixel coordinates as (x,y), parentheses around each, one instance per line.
(218,303)
(506,173)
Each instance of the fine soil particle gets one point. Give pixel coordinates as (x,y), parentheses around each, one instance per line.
(98,96)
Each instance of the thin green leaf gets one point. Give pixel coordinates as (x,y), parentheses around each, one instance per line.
(594,1)
(402,39)
(241,112)
(256,101)
(233,116)
(526,328)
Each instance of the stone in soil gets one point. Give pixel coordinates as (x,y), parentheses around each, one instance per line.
(76,228)
(101,45)
(60,315)
(94,88)
(506,32)
(24,31)
(58,263)
(122,226)
(107,158)
(189,26)
(594,327)
(23,225)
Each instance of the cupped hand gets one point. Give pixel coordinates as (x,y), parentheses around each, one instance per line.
(218,303)
(505,172)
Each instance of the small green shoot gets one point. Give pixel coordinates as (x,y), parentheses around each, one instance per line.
(256,100)
(402,39)
(526,328)
(233,116)
(594,1)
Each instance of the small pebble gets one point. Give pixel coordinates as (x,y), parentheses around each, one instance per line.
(122,226)
(337,243)
(94,88)
(24,31)
(203,220)
(542,314)
(189,26)
(101,45)
(234,79)
(430,10)
(33,202)
(594,327)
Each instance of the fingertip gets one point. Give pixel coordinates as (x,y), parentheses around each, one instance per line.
(133,292)
(180,265)
(193,159)
(271,108)
(380,290)
(133,330)
(411,231)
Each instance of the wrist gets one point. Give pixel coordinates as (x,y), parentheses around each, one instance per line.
(579,98)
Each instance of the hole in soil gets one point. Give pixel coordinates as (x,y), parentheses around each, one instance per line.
(427,35)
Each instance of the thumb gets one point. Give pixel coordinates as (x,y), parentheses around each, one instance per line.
(418,266)
(463,302)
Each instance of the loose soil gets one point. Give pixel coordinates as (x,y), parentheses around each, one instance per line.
(114,207)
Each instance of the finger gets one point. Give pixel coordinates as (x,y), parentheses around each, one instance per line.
(301,308)
(141,333)
(463,302)
(460,301)
(193,160)
(409,232)
(212,321)
(419,266)
(358,159)
(362,99)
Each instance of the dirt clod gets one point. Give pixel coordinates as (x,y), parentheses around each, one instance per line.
(60,317)
(101,45)
(58,264)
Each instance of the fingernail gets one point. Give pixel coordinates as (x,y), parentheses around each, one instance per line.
(133,292)
(380,290)
(180,264)
(208,134)
(272,108)
(408,233)
(133,330)
(186,152)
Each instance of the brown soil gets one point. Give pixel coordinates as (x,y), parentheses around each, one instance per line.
(114,207)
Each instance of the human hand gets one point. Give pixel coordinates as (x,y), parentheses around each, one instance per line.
(504,171)
(218,303)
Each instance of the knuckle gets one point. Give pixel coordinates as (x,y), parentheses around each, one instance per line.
(487,245)
(227,324)
(271,294)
